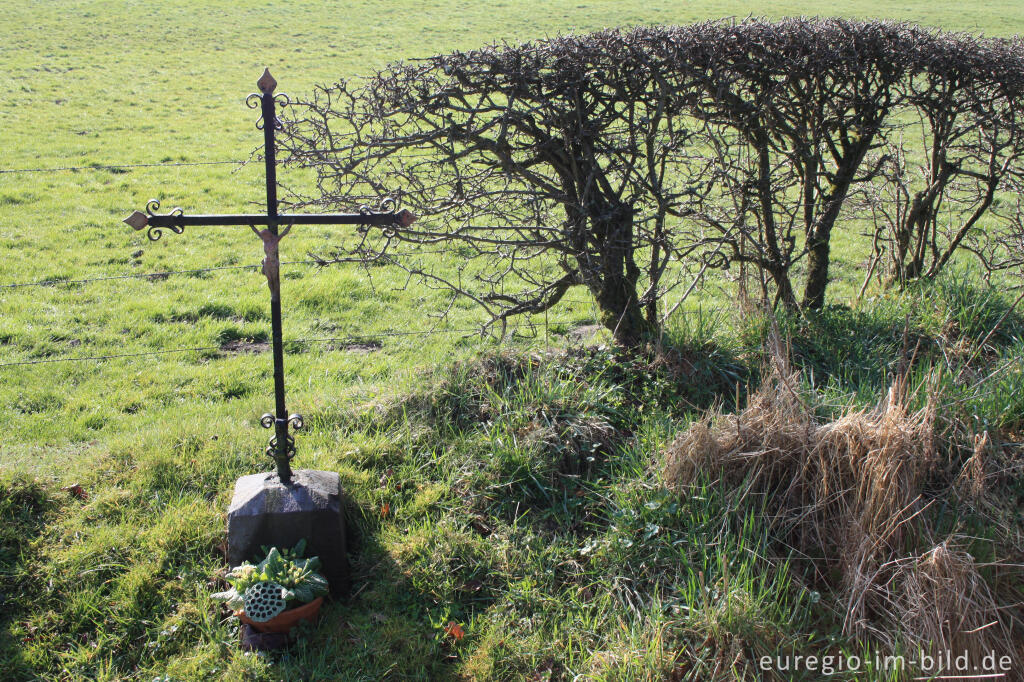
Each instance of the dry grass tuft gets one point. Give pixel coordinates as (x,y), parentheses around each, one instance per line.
(847,495)
(972,482)
(941,598)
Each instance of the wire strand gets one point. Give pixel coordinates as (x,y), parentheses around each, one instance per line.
(344,339)
(168,273)
(59,169)
(142,275)
(43,361)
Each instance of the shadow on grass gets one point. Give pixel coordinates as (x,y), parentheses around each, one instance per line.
(25,507)
(539,604)
(393,624)
(675,376)
(947,321)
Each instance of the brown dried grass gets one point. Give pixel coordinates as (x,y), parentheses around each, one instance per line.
(942,599)
(846,494)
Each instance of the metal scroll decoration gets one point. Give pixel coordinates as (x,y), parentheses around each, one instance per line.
(255,101)
(269,421)
(139,220)
(387,205)
(155,232)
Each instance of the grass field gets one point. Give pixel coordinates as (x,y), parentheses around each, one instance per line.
(543,564)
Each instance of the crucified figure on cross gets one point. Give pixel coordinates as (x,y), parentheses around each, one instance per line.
(282,444)
(271,267)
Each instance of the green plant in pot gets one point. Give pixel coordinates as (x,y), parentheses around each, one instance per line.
(277,593)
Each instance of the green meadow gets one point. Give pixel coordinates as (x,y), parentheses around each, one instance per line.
(512,487)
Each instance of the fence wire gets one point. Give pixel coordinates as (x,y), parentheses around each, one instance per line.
(120,166)
(142,275)
(167,273)
(350,340)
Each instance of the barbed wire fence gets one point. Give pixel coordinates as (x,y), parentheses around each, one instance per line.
(120,166)
(355,340)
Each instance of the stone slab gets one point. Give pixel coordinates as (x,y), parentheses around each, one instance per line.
(263,511)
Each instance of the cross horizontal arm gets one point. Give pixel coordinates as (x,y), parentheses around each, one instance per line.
(283,219)
(176,220)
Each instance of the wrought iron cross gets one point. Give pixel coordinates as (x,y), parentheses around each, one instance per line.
(282,444)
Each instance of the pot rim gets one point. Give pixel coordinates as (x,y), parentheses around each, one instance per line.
(285,620)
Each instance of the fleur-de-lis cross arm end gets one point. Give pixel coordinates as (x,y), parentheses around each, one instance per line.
(155,222)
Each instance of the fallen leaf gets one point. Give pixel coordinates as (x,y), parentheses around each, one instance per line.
(385,509)
(454,630)
(77,491)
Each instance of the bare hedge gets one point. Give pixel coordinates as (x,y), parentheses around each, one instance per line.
(630,161)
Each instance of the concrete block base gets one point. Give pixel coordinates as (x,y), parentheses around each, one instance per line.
(263,511)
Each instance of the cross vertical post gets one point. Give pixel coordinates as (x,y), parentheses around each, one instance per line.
(272,270)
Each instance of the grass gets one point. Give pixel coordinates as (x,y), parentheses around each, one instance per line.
(516,493)
(521,486)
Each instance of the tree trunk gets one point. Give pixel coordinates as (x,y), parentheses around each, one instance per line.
(612,276)
(621,312)
(820,233)
(817,273)
(777,267)
(784,287)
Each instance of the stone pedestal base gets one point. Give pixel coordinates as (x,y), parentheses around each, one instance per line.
(265,512)
(262,641)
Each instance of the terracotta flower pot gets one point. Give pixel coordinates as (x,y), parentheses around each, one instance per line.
(286,620)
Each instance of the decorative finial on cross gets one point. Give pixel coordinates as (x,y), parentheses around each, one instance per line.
(405,217)
(137,220)
(266,83)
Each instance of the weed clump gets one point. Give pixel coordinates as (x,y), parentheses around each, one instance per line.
(617,382)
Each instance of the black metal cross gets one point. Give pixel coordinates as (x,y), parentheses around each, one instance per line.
(282,445)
